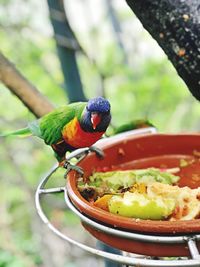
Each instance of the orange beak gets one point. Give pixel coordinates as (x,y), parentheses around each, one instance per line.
(95,119)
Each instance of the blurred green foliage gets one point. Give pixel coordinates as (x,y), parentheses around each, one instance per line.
(149,89)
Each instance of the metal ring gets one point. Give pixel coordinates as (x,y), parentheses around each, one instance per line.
(113,257)
(126,234)
(80,154)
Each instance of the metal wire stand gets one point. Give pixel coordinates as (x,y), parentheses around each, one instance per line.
(127,260)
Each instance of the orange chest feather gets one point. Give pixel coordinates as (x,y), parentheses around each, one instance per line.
(76,137)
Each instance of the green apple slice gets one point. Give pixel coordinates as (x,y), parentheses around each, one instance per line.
(135,205)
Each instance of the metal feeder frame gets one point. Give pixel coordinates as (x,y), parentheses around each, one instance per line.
(190,240)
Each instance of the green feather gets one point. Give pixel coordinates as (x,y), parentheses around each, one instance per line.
(21,133)
(132,125)
(35,128)
(51,125)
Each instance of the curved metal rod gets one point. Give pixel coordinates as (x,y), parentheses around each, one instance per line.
(193,249)
(141,131)
(113,257)
(81,152)
(125,234)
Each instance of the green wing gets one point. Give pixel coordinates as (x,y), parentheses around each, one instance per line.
(51,125)
(132,125)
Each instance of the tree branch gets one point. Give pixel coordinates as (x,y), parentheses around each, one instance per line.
(23,89)
(175,26)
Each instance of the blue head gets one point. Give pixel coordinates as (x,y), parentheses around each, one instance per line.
(96,117)
(98,104)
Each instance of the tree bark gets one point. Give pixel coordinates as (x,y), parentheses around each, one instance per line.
(23,89)
(175,25)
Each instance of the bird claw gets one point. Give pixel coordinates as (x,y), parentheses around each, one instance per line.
(97,150)
(69,167)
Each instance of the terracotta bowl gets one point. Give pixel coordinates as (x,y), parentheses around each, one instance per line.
(129,152)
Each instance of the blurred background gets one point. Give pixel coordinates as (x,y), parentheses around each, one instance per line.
(122,62)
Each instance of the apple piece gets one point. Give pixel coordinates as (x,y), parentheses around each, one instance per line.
(135,205)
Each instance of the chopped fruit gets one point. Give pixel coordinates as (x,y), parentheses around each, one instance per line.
(144,193)
(140,206)
(140,188)
(186,200)
(102,202)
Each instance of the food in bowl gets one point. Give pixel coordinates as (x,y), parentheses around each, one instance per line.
(142,194)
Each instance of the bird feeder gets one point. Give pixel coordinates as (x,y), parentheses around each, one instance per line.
(132,150)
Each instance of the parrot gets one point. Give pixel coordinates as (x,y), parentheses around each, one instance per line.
(132,125)
(67,128)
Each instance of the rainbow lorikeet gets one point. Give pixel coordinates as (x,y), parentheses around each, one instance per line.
(71,127)
(132,125)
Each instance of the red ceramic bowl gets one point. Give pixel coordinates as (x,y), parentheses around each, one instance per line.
(129,152)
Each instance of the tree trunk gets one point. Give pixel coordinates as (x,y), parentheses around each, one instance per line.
(67,46)
(175,25)
(23,89)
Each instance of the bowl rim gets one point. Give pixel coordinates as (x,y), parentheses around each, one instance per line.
(138,225)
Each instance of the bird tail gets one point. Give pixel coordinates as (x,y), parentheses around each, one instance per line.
(25,132)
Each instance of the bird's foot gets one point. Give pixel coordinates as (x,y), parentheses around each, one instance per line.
(69,167)
(97,150)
